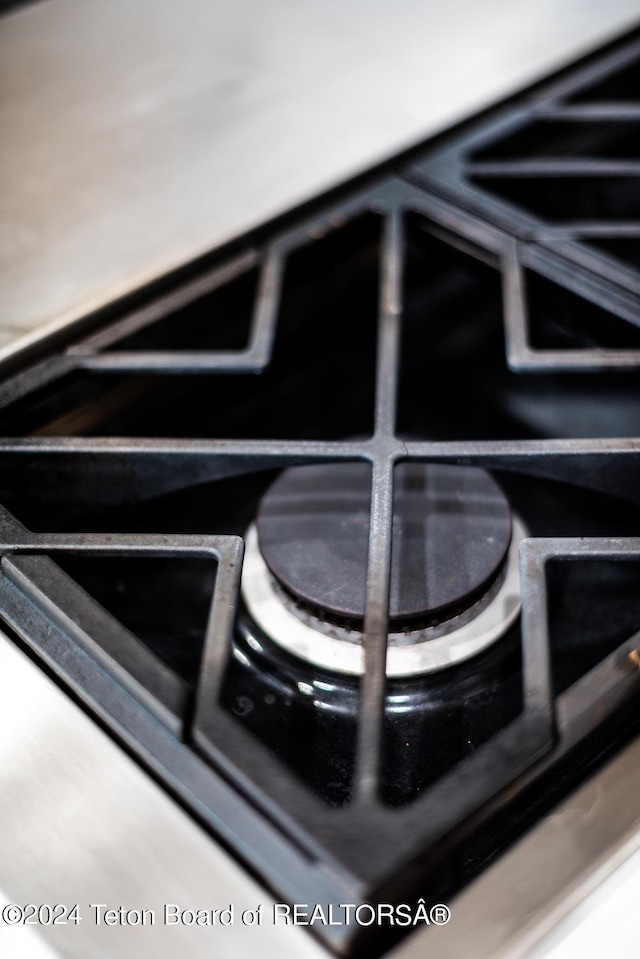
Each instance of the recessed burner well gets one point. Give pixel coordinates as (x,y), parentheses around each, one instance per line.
(454,583)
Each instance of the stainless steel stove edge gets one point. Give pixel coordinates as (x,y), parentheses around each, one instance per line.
(78,813)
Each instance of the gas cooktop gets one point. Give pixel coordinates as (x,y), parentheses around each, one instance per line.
(338,530)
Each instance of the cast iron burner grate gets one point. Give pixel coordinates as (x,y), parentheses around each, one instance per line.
(559,169)
(392,327)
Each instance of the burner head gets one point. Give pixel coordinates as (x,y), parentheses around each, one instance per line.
(451,533)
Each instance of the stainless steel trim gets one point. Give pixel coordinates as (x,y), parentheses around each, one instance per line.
(81,822)
(139,134)
(515,903)
(78,813)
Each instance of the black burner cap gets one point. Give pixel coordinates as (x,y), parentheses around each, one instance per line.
(451,533)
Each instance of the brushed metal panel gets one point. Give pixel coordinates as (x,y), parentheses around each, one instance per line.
(137,134)
(81,822)
(510,909)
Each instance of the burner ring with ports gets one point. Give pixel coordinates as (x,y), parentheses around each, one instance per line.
(454,582)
